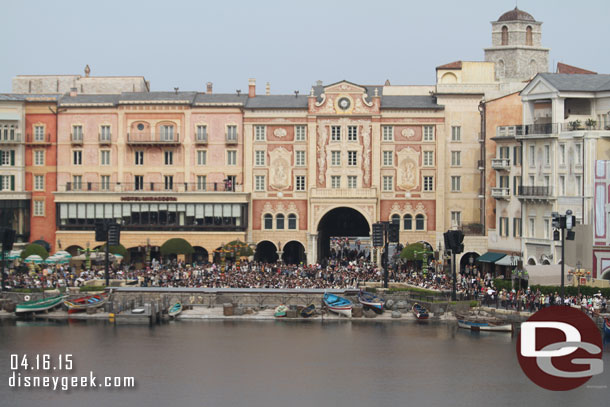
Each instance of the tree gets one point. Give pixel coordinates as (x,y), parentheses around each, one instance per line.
(408,253)
(238,247)
(34,249)
(176,246)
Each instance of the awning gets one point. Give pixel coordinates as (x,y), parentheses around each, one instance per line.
(490,257)
(9,116)
(508,261)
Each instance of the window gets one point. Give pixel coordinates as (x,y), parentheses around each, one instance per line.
(395,219)
(202,157)
(7,182)
(516,184)
(562,185)
(532,156)
(268,220)
(335,158)
(352,181)
(504,181)
(532,222)
(578,153)
(38,208)
(547,180)
(77,182)
(38,133)
(299,133)
(503,226)
(352,133)
(299,182)
(231,157)
(167,132)
(456,182)
(38,157)
(517,156)
(532,180)
(279,221)
(259,158)
(504,35)
(547,226)
(202,132)
(578,184)
(428,133)
(504,152)
(168,182)
(388,182)
(259,182)
(428,158)
(419,222)
(335,181)
(77,157)
(562,154)
(139,157)
(456,158)
(428,184)
(547,155)
(456,133)
(105,157)
(528,36)
(388,133)
(105,132)
(7,157)
(388,158)
(299,159)
(169,157)
(456,218)
(232,133)
(259,133)
(335,133)
(77,132)
(407,222)
(138,181)
(202,182)
(292,221)
(38,182)
(105,183)
(516,227)
(352,160)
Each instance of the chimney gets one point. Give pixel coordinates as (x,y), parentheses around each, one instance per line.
(72,92)
(251,88)
(208,88)
(268,89)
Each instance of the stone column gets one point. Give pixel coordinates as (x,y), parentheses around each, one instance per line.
(312,248)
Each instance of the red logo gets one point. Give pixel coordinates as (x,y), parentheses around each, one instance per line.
(560,348)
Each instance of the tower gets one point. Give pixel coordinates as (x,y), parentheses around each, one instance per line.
(516,46)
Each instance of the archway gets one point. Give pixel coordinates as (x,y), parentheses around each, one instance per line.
(531,261)
(266,252)
(466,260)
(73,250)
(340,222)
(606,274)
(427,245)
(294,252)
(201,255)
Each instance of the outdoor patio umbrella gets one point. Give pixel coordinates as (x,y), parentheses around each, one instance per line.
(34,258)
(63,253)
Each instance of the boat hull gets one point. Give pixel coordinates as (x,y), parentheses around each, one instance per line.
(484,326)
(372,302)
(84,303)
(39,305)
(308,311)
(420,312)
(338,305)
(175,310)
(607,327)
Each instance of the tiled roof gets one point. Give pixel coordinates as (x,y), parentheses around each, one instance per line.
(277,102)
(578,82)
(89,100)
(157,97)
(220,99)
(451,65)
(516,15)
(409,102)
(569,69)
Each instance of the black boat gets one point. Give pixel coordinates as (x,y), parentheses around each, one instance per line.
(308,311)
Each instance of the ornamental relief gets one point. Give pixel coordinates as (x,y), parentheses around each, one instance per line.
(279,172)
(408,169)
(280,133)
(280,207)
(408,208)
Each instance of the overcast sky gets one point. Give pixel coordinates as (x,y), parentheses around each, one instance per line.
(290,44)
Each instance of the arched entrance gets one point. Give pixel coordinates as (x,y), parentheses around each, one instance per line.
(606,274)
(201,255)
(266,252)
(340,222)
(294,253)
(73,250)
(427,245)
(468,259)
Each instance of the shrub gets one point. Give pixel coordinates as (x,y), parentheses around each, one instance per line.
(408,253)
(176,246)
(500,284)
(571,290)
(34,249)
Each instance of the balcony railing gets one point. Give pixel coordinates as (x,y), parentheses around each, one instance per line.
(580,125)
(475,229)
(153,138)
(201,139)
(541,192)
(76,138)
(105,138)
(150,187)
(231,138)
(502,164)
(14,138)
(500,192)
(32,139)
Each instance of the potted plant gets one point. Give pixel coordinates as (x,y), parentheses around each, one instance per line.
(575,125)
(590,123)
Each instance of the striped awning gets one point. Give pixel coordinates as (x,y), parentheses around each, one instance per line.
(490,257)
(508,261)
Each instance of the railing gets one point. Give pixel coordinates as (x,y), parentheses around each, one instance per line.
(535,191)
(150,187)
(14,138)
(105,138)
(577,125)
(500,192)
(509,131)
(543,128)
(500,163)
(231,138)
(76,138)
(152,138)
(472,228)
(46,139)
(201,139)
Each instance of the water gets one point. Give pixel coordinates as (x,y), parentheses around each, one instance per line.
(279,363)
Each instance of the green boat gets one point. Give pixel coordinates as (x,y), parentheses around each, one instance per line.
(175,310)
(39,305)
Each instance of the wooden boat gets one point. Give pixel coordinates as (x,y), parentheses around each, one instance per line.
(477,323)
(607,327)
(420,311)
(83,303)
(39,305)
(175,310)
(339,305)
(280,311)
(308,311)
(371,301)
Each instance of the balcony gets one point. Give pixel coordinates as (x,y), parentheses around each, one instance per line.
(500,164)
(536,193)
(584,125)
(500,193)
(149,187)
(105,138)
(39,140)
(76,138)
(540,130)
(11,139)
(201,139)
(231,138)
(153,139)
(343,193)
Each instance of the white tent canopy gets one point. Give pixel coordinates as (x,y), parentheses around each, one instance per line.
(546,275)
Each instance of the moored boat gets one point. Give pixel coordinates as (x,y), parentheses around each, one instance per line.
(607,327)
(339,305)
(39,305)
(83,303)
(280,311)
(175,310)
(308,311)
(371,301)
(476,323)
(420,311)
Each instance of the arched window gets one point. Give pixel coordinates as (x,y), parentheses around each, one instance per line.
(528,36)
(408,222)
(268,221)
(292,221)
(419,222)
(279,221)
(396,219)
(504,35)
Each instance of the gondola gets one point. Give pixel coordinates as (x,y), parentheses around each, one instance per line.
(371,301)
(83,303)
(339,305)
(420,312)
(308,311)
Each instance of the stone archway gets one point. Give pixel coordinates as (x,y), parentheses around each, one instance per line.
(294,253)
(200,255)
(465,259)
(266,252)
(341,222)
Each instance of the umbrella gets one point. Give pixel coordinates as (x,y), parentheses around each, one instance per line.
(51,260)
(34,258)
(63,253)
(118,256)
(13,255)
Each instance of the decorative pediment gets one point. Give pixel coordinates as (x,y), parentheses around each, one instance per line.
(344,87)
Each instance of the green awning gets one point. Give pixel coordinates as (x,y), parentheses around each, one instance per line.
(490,257)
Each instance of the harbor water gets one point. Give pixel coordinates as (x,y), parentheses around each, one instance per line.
(283,363)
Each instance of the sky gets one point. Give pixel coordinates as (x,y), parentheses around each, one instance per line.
(290,44)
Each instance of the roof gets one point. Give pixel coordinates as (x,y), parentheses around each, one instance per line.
(157,97)
(569,69)
(451,65)
(204,99)
(11,97)
(409,102)
(277,102)
(89,100)
(490,257)
(578,82)
(516,15)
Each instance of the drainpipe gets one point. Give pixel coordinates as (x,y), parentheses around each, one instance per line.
(482,141)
